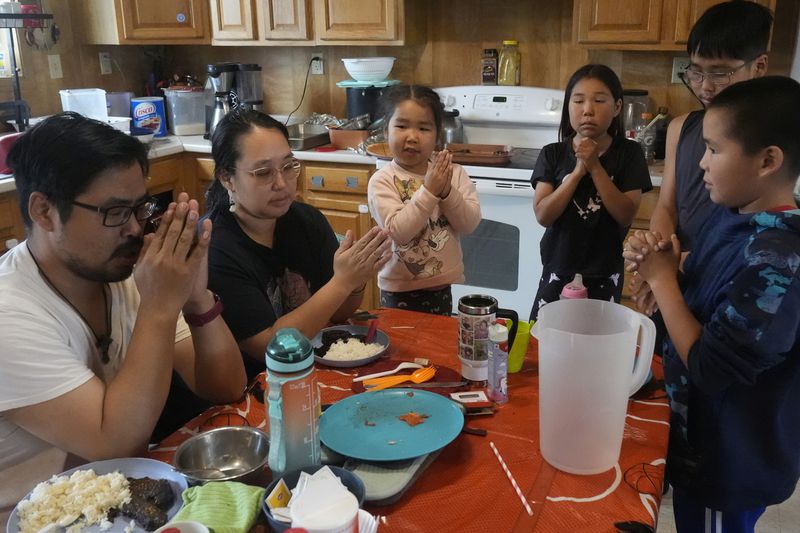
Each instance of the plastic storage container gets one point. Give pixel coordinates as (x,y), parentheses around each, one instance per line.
(186,110)
(119,104)
(88,102)
(293,403)
(509,64)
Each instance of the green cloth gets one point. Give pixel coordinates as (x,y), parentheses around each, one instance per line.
(224,506)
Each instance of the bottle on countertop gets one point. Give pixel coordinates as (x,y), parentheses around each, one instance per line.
(508,71)
(489,66)
(498,362)
(659,146)
(646,136)
(293,403)
(575,289)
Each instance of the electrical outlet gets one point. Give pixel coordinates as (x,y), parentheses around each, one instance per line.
(679,64)
(54,61)
(317,65)
(105,62)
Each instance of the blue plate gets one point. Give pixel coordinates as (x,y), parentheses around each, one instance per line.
(366,426)
(137,467)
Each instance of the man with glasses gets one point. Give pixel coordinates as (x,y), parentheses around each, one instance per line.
(88,350)
(727,44)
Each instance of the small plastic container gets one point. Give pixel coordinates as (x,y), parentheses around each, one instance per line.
(186,110)
(88,102)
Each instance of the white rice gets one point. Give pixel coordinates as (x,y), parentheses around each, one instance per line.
(80,500)
(351,350)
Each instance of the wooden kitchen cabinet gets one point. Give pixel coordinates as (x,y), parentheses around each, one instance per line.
(340,192)
(165,180)
(11,225)
(144,21)
(639,24)
(308,22)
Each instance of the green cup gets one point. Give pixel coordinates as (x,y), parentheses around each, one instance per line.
(520,346)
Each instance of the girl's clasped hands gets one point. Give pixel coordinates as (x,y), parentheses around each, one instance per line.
(439,177)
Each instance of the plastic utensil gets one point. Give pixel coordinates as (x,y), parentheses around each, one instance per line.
(588,367)
(398,368)
(418,376)
(373,329)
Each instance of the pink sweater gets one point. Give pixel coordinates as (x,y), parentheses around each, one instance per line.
(425,229)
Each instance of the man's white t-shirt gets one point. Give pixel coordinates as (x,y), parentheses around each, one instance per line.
(47,350)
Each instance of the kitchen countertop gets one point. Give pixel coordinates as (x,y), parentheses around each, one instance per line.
(171,145)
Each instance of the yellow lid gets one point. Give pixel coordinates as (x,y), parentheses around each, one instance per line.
(512,42)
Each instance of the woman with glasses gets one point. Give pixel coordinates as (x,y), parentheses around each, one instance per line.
(727,44)
(276,262)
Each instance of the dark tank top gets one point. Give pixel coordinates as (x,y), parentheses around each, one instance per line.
(691,197)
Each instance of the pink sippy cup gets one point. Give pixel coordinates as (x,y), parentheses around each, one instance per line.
(574,289)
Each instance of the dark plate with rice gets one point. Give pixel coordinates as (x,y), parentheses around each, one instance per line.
(328,336)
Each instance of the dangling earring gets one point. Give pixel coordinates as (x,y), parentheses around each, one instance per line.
(232,206)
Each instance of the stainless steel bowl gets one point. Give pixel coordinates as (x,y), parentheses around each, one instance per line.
(236,453)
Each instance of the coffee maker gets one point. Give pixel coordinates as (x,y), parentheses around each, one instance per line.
(231,85)
(218,89)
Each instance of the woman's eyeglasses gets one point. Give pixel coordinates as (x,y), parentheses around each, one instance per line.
(720,79)
(268,175)
(117,215)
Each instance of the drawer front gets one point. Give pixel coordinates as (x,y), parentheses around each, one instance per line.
(336,179)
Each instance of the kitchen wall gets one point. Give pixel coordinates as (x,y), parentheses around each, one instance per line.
(443,48)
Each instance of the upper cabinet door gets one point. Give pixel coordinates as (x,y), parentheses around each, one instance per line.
(618,21)
(154,21)
(691,10)
(232,19)
(281,20)
(358,20)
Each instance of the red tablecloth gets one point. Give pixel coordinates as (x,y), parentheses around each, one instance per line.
(465,489)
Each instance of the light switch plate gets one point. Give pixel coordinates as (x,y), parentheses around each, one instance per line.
(679,64)
(54,61)
(105,62)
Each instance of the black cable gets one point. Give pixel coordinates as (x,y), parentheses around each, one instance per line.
(305,86)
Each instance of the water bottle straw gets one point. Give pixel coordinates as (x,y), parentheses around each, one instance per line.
(652,122)
(512,480)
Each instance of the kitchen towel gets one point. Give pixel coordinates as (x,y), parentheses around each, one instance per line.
(225,507)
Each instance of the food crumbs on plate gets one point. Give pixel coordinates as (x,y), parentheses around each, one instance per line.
(368,423)
(410,394)
(413,419)
(391,442)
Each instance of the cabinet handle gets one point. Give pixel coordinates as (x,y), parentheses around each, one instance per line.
(351,182)
(317,181)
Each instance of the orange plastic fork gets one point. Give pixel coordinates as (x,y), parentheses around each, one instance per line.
(418,376)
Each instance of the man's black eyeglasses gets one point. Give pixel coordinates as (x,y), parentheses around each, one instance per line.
(117,215)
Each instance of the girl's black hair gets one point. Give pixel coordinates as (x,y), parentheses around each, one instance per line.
(609,78)
(225,148)
(424,96)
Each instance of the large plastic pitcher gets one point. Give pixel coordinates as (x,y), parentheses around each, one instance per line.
(588,367)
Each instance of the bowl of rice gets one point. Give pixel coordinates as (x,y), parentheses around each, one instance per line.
(344,346)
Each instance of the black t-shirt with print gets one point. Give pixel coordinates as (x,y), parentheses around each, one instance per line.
(259,284)
(586,239)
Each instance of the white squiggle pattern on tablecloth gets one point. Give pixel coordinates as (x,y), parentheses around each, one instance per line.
(648,500)
(334,387)
(648,420)
(609,490)
(660,404)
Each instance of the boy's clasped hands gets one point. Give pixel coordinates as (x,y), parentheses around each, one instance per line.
(439,177)
(651,259)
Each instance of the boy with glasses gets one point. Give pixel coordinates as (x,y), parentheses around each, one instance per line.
(89,343)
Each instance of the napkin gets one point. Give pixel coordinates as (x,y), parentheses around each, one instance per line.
(224,506)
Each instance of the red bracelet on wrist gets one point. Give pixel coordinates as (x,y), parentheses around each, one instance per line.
(201,320)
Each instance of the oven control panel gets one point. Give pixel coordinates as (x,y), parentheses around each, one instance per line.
(521,105)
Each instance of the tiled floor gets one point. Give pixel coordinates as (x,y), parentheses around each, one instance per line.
(783,518)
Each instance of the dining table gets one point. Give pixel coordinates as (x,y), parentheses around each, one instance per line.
(466,488)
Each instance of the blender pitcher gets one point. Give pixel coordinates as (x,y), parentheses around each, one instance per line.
(588,367)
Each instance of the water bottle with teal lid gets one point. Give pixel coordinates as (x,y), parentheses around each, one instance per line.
(293,400)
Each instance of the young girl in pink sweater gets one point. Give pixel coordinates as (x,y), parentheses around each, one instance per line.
(426,202)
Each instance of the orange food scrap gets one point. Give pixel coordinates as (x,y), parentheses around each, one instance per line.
(413,419)
(368,423)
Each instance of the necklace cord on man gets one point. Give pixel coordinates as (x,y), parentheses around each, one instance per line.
(102,342)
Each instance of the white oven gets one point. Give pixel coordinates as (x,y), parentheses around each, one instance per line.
(501,257)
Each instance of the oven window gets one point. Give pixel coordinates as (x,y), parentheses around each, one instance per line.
(491,256)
